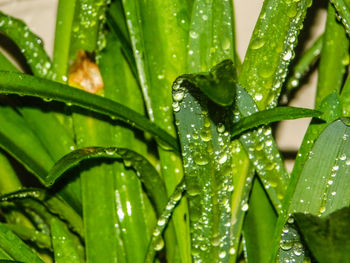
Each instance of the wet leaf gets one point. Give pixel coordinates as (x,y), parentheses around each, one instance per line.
(273,115)
(327,237)
(147,174)
(64,247)
(205,142)
(23,84)
(31,46)
(14,247)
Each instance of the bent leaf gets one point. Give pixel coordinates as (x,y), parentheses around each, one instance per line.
(54,204)
(22,84)
(272,115)
(219,84)
(30,45)
(157,242)
(146,172)
(205,146)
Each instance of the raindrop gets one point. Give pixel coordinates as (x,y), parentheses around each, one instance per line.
(288,55)
(286,244)
(222,158)
(220,128)
(222,254)
(201,159)
(194,34)
(159,244)
(257,43)
(161,222)
(205,135)
(245,207)
(258,97)
(178,96)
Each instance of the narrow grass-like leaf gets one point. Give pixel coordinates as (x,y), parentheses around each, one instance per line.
(30,45)
(159,61)
(157,242)
(334,53)
(64,247)
(53,203)
(45,125)
(13,125)
(64,21)
(32,235)
(207,163)
(211,35)
(256,230)
(23,84)
(327,237)
(342,8)
(271,49)
(88,22)
(243,174)
(272,115)
(263,152)
(148,175)
(304,64)
(15,247)
(135,213)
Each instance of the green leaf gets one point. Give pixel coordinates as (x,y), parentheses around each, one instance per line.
(53,203)
(258,233)
(148,175)
(64,247)
(63,32)
(342,8)
(304,64)
(29,234)
(327,237)
(14,135)
(207,162)
(321,194)
(157,242)
(272,115)
(15,247)
(132,213)
(219,84)
(30,45)
(22,84)
(211,36)
(87,28)
(271,49)
(334,53)
(158,31)
(263,152)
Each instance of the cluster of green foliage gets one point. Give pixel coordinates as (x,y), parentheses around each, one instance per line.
(173,158)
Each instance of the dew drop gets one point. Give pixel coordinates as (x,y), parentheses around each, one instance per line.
(194,34)
(220,128)
(161,222)
(222,254)
(286,244)
(288,55)
(222,158)
(258,43)
(178,96)
(258,97)
(201,159)
(245,207)
(159,244)
(205,135)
